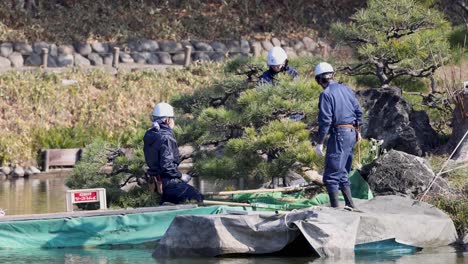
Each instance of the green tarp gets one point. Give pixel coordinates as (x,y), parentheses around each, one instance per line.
(92,231)
(280,201)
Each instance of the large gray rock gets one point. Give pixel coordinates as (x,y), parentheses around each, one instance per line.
(141,57)
(170,46)
(149,45)
(5,170)
(38,46)
(100,47)
(95,59)
(64,60)
(52,61)
(18,172)
(178,58)
(53,50)
(153,59)
(309,43)
(202,46)
(33,60)
(276,42)
(6,49)
(218,56)
(165,58)
(107,59)
(391,118)
(83,48)
(5,63)
(66,49)
(397,172)
(200,56)
(218,46)
(233,46)
(266,44)
(244,46)
(126,58)
(23,48)
(81,61)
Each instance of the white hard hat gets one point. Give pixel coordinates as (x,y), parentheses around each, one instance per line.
(276,56)
(163,110)
(322,68)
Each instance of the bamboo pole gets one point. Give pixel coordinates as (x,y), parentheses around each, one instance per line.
(286,189)
(210,202)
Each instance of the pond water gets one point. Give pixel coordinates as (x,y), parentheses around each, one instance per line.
(45,193)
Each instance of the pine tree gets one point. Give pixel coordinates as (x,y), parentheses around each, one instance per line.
(395,38)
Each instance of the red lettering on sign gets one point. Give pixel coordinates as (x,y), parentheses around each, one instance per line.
(85,196)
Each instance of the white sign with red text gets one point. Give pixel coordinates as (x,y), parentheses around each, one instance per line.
(86,196)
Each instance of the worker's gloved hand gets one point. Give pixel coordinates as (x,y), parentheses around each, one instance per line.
(185,177)
(319,149)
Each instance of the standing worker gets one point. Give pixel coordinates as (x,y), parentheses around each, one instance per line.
(277,61)
(162,157)
(340,115)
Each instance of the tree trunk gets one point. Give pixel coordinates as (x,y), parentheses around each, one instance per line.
(380,72)
(459,128)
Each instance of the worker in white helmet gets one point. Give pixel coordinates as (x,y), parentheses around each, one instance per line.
(340,116)
(277,61)
(162,157)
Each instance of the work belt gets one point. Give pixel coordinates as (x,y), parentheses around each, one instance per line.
(351,126)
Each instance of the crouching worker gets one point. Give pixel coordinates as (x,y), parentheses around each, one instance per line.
(162,157)
(277,61)
(340,115)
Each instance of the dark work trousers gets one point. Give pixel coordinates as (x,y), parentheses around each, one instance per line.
(176,191)
(339,158)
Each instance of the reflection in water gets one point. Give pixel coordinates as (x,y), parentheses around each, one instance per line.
(43,193)
(446,255)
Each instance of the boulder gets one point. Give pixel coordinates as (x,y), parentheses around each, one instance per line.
(6,49)
(100,48)
(266,44)
(200,56)
(400,173)
(178,58)
(53,50)
(95,59)
(276,42)
(218,46)
(389,117)
(141,57)
(153,59)
(38,46)
(23,48)
(18,172)
(81,61)
(52,61)
(108,59)
(244,46)
(149,45)
(309,43)
(170,46)
(218,56)
(202,46)
(165,58)
(83,48)
(233,46)
(34,60)
(5,63)
(126,58)
(64,60)
(5,170)
(66,49)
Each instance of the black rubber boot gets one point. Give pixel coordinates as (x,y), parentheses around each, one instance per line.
(346,191)
(334,202)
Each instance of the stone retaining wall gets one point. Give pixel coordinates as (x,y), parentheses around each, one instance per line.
(148,52)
